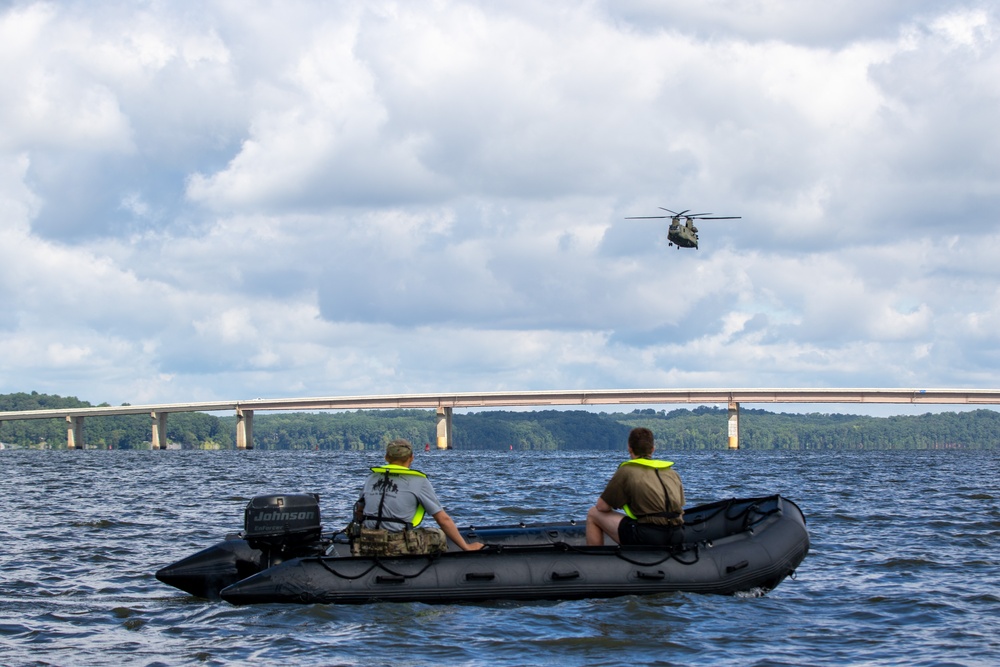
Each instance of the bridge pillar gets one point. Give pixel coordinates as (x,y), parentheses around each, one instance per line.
(159,439)
(74,432)
(444,428)
(244,429)
(734,425)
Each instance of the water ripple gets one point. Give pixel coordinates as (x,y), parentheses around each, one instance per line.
(902,569)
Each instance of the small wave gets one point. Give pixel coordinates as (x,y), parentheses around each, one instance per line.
(78,585)
(752,593)
(522,511)
(96,523)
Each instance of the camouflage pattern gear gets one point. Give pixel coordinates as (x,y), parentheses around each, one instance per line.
(381,542)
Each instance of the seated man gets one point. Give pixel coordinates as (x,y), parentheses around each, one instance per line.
(394,501)
(649,492)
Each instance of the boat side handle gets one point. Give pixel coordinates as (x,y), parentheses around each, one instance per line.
(563,576)
(739,566)
(656,576)
(390,579)
(480,576)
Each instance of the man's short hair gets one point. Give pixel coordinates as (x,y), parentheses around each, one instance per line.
(640,439)
(398,450)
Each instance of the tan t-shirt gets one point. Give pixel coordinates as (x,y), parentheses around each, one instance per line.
(640,488)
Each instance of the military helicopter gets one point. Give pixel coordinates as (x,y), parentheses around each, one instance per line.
(686,235)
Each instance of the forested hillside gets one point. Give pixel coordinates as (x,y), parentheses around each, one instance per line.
(707,428)
(700,428)
(187,429)
(371,429)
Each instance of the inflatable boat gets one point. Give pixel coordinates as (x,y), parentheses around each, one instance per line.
(731,546)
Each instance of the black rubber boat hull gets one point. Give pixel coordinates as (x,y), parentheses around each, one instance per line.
(732,546)
(205,573)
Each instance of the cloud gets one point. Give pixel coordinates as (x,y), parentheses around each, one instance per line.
(369,197)
(108,105)
(318,141)
(812,23)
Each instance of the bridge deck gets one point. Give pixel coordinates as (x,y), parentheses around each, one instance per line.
(445,403)
(541,398)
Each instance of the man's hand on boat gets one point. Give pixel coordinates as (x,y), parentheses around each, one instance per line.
(451,530)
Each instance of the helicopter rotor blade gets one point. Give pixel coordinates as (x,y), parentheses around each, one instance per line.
(683,214)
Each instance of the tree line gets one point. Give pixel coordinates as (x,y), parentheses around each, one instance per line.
(541,430)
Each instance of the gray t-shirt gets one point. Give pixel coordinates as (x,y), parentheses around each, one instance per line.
(403,493)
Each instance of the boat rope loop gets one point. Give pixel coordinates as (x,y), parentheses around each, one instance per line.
(748,524)
(376,562)
(322,561)
(740,514)
(671,555)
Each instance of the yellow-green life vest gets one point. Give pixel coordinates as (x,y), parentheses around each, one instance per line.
(395,469)
(649,463)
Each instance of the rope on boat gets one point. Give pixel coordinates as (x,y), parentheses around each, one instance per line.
(322,561)
(670,555)
(743,514)
(376,562)
(382,566)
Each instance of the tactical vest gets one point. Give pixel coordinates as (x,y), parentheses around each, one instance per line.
(394,469)
(380,542)
(410,541)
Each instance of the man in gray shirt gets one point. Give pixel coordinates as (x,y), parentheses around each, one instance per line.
(397,497)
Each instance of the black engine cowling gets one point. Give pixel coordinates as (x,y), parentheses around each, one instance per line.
(282,521)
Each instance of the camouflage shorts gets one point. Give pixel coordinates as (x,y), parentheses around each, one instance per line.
(381,542)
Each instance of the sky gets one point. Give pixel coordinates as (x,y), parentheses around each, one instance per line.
(224,200)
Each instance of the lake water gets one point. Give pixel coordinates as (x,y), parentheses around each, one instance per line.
(904,567)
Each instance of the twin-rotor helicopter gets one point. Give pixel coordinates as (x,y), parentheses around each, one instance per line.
(683,235)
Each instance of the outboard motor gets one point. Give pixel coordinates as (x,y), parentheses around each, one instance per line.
(282,525)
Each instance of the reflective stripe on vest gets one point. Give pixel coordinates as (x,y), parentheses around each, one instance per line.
(394,469)
(649,463)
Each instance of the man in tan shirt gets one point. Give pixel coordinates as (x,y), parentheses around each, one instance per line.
(650,494)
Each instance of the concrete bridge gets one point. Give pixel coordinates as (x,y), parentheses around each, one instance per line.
(446,403)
